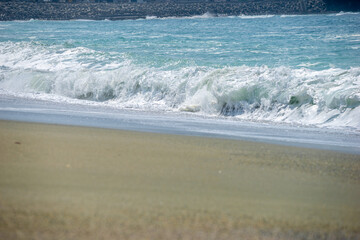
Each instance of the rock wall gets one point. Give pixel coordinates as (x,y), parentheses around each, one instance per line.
(117,11)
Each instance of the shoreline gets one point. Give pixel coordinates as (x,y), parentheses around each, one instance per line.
(205,15)
(79,182)
(124,11)
(48,112)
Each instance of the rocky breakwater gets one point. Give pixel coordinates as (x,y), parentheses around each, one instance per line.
(20,10)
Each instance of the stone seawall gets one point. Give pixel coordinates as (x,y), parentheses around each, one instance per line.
(119,11)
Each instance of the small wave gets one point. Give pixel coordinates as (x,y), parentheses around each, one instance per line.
(151,17)
(255,16)
(290,15)
(210,15)
(203,16)
(309,64)
(297,15)
(24,21)
(83,20)
(346,13)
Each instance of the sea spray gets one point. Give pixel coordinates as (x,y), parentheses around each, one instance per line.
(280,94)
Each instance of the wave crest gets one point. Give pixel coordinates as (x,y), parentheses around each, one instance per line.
(328,97)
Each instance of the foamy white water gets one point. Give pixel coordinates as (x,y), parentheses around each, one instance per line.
(329,97)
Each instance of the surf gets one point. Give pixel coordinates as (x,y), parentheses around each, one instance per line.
(329,97)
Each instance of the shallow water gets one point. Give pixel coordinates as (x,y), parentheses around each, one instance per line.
(32,110)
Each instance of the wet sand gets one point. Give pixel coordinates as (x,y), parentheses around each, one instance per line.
(62,182)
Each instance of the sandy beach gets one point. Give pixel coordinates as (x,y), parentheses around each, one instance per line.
(63,182)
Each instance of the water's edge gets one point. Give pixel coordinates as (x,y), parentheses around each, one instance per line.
(39,111)
(124,11)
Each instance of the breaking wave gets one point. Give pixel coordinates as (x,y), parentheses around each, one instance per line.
(329,97)
(203,16)
(255,16)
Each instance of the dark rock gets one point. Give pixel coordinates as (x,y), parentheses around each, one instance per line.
(21,10)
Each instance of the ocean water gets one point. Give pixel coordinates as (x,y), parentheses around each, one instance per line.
(289,69)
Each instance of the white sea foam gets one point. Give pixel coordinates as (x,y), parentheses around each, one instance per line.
(255,16)
(309,64)
(297,15)
(346,13)
(328,97)
(289,15)
(83,20)
(205,15)
(151,17)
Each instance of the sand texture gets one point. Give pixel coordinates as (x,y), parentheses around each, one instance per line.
(61,182)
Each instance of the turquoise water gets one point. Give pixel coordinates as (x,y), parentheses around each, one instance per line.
(316,41)
(298,69)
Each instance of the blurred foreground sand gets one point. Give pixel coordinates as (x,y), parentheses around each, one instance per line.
(61,182)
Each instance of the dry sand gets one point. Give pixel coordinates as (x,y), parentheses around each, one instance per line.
(61,182)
